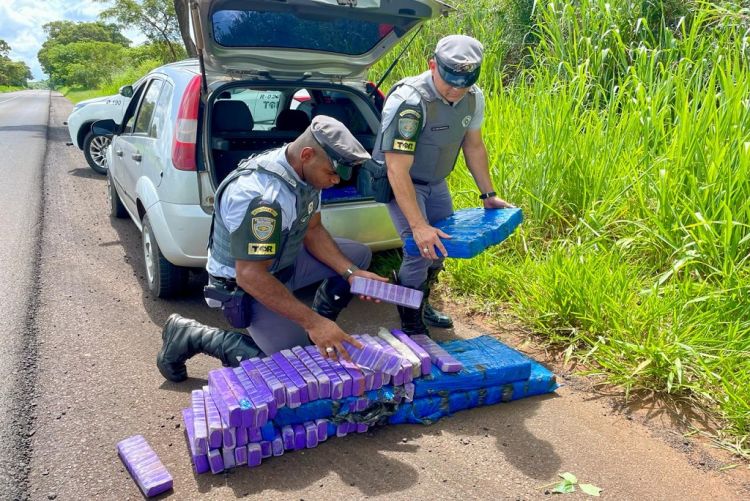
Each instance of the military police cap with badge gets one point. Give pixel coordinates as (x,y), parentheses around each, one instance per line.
(459,59)
(339,144)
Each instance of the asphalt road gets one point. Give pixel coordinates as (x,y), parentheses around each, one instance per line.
(92,335)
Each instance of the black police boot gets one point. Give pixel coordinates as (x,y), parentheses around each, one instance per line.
(332,296)
(412,320)
(184,337)
(432,316)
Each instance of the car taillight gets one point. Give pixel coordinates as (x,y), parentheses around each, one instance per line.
(186,129)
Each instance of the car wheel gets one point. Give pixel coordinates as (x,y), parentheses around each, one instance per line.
(95,151)
(116,207)
(163,278)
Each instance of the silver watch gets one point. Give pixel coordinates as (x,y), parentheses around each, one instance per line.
(349,272)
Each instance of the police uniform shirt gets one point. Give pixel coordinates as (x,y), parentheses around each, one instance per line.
(410,96)
(238,195)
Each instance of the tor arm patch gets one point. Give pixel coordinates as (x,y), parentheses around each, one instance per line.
(258,237)
(402,133)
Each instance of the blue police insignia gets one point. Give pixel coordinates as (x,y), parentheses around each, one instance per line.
(263,227)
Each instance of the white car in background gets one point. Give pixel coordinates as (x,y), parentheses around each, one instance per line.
(89,111)
(186,129)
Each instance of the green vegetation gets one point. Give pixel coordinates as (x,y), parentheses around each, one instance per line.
(623,131)
(13,74)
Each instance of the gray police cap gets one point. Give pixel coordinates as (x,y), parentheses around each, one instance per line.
(339,144)
(459,59)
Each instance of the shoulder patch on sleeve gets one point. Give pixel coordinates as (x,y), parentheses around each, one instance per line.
(258,237)
(402,133)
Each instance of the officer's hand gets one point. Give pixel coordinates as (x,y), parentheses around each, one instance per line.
(497,203)
(371,276)
(328,337)
(427,238)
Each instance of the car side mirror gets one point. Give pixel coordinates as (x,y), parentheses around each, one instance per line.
(126,91)
(106,127)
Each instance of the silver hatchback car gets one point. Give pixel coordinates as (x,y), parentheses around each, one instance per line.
(265,69)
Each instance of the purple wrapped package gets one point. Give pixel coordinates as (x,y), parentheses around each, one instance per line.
(358,378)
(254,455)
(225,401)
(215,461)
(254,435)
(300,438)
(362,427)
(277,445)
(200,429)
(266,449)
(375,358)
(409,388)
(200,461)
(144,466)
(361,404)
(257,370)
(248,412)
(213,421)
(227,455)
(322,425)
(312,383)
(240,456)
(335,373)
(324,382)
(293,376)
(444,361)
(381,378)
(259,406)
(424,358)
(241,437)
(292,396)
(287,434)
(398,378)
(259,391)
(403,350)
(311,434)
(342,429)
(390,293)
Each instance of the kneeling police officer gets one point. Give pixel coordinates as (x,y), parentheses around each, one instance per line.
(267,240)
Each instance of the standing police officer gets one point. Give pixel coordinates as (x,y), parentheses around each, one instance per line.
(267,240)
(426,120)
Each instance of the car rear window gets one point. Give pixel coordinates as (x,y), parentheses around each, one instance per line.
(288,30)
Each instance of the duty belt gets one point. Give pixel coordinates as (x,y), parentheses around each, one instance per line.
(283,276)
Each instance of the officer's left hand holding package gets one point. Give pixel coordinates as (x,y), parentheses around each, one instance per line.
(472,231)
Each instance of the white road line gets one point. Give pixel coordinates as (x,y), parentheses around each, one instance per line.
(11,99)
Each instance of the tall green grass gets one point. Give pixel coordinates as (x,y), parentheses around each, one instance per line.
(623,131)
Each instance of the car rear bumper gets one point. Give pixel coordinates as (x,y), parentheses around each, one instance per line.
(181,230)
(366,222)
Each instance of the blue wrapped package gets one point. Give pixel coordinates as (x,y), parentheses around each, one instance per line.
(487,362)
(472,231)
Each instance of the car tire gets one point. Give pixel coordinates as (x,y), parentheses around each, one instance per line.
(116,208)
(163,278)
(95,151)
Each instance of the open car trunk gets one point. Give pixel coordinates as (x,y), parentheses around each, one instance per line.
(248,117)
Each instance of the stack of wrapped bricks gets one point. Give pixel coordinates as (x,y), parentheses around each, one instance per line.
(296,399)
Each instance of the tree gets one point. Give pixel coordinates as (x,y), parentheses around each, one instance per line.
(157,19)
(68,55)
(12,73)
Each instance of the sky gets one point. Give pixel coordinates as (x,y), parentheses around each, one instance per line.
(21,24)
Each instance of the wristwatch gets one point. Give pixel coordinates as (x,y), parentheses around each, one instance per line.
(485,196)
(349,272)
